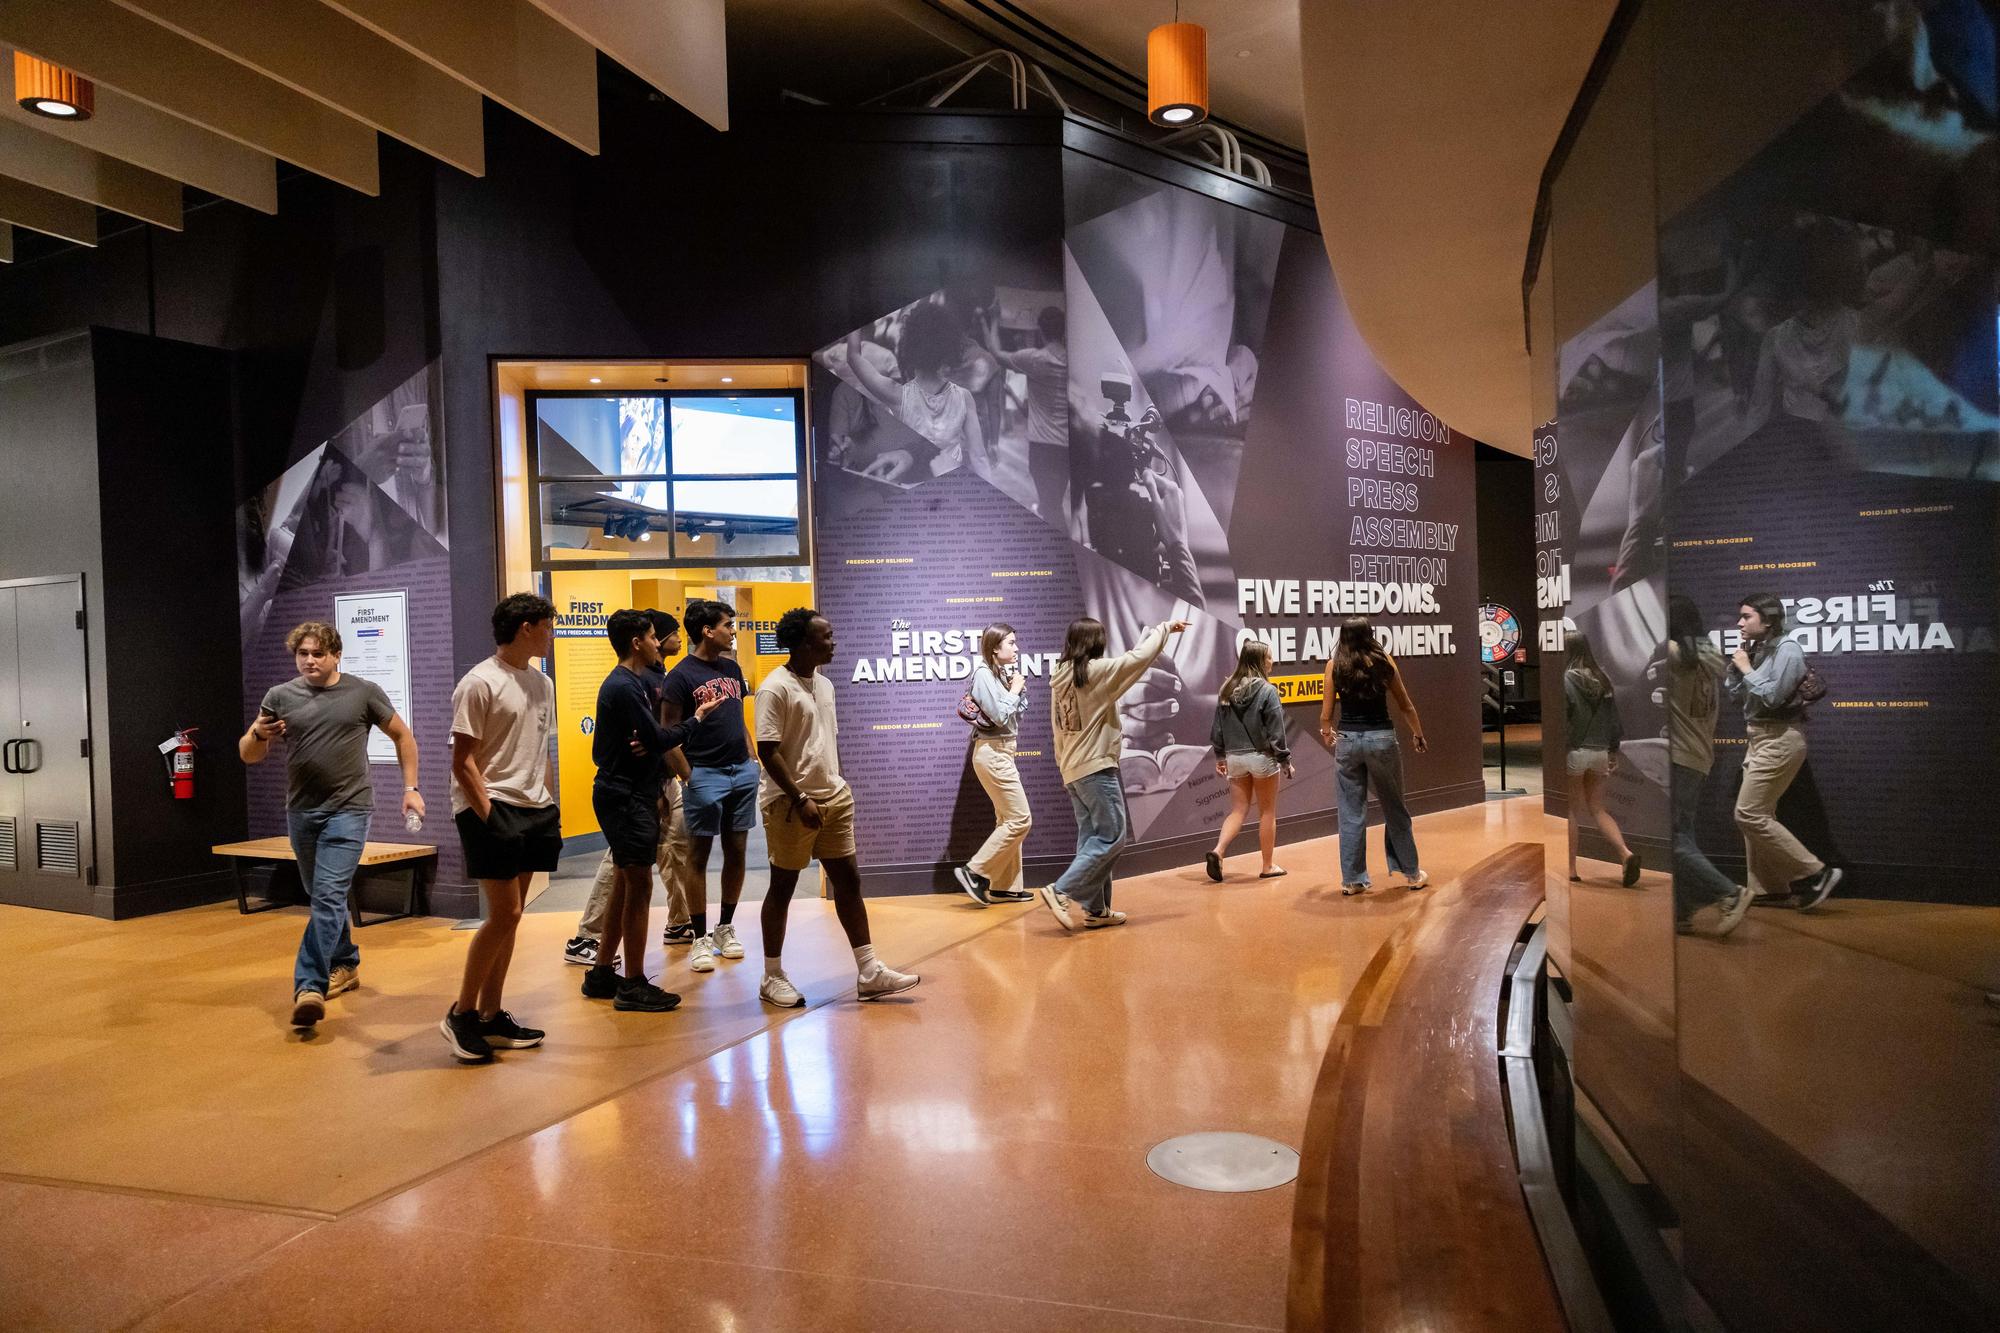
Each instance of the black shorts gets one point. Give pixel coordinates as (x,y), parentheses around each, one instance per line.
(631,823)
(513,841)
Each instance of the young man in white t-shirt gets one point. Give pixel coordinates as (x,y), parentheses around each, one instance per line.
(503,801)
(808,807)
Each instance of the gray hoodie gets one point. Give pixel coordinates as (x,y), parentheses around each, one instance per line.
(1252,722)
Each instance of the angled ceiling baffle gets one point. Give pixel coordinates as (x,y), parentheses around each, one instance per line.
(215,93)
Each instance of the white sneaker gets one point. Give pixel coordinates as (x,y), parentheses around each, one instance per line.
(1417,881)
(726,943)
(1100,922)
(777,988)
(701,957)
(1059,904)
(1733,911)
(882,981)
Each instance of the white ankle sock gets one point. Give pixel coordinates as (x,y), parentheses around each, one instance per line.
(864,959)
(774,967)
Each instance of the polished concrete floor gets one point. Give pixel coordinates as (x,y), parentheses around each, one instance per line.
(971,1156)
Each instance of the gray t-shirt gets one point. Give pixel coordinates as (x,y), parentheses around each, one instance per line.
(326,738)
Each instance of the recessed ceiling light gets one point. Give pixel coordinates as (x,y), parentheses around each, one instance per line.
(728,380)
(595,380)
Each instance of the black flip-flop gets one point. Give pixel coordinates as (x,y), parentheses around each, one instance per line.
(1214,864)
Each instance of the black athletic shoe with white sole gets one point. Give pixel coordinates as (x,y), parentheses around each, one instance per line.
(977,887)
(1812,892)
(600,983)
(503,1031)
(582,951)
(462,1032)
(681,934)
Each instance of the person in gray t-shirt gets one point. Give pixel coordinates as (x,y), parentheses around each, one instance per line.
(323,717)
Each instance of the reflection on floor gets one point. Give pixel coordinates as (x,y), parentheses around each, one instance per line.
(972,1157)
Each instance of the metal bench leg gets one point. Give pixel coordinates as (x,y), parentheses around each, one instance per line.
(269,903)
(409,899)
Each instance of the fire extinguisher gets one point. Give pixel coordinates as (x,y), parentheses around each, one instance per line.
(181,764)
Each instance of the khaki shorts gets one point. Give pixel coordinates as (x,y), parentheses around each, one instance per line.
(794,846)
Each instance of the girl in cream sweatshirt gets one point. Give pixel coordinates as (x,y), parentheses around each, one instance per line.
(1084,689)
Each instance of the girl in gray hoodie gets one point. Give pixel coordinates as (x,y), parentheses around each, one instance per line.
(1250,750)
(1084,689)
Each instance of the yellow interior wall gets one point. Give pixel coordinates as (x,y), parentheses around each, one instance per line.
(584,600)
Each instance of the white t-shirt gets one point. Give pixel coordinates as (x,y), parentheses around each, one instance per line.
(510,714)
(798,715)
(939,420)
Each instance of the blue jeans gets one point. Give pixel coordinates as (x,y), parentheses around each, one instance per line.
(1697,882)
(1364,759)
(328,844)
(1102,833)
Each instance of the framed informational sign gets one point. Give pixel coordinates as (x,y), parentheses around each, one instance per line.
(375,645)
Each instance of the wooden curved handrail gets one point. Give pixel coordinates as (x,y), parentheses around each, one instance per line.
(1409,1209)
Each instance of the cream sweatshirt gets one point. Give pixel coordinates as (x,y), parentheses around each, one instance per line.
(1088,733)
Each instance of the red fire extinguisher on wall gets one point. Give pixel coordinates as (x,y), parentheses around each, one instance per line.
(180,764)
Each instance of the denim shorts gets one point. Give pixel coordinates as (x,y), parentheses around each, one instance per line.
(721,798)
(1252,764)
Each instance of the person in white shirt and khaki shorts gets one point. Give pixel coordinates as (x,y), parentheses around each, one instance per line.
(808,808)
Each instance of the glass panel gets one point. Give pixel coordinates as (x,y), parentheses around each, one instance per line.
(722,520)
(604,520)
(578,436)
(734,435)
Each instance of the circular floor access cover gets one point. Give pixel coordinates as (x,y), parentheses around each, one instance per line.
(1224,1161)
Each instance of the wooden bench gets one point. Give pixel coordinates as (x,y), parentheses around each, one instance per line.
(1410,1210)
(412,861)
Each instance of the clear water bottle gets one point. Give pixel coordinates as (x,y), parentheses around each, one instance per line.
(413,821)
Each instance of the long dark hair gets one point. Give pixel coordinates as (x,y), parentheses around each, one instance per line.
(1253,660)
(1684,632)
(990,640)
(1684,629)
(1361,668)
(1083,645)
(1581,662)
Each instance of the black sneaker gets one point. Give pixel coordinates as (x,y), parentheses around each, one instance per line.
(1010,895)
(976,886)
(1631,875)
(681,934)
(1812,892)
(462,1033)
(638,995)
(600,983)
(582,951)
(501,1030)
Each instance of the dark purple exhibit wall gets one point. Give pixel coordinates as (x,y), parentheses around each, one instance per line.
(1288,483)
(949,557)
(266,663)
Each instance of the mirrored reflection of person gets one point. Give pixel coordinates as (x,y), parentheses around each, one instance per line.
(1248,738)
(1694,699)
(928,401)
(1047,370)
(1764,676)
(1590,717)
(1354,719)
(1000,688)
(1084,691)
